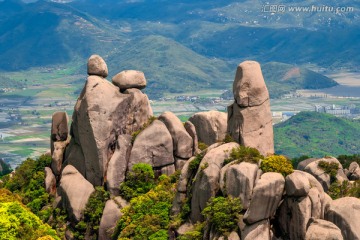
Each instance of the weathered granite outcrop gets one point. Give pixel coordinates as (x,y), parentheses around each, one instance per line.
(249,117)
(211,127)
(75,192)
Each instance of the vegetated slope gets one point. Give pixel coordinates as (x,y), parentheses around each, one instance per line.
(283,78)
(43,34)
(317,134)
(169,66)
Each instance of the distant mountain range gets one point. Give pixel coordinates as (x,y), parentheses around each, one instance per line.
(197,43)
(317,135)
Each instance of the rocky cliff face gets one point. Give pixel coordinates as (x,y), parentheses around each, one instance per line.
(113,128)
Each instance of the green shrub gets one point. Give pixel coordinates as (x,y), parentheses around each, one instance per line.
(194,164)
(17,222)
(223,213)
(244,154)
(228,139)
(194,234)
(346,160)
(138,181)
(92,215)
(148,214)
(277,163)
(28,182)
(202,146)
(330,168)
(339,190)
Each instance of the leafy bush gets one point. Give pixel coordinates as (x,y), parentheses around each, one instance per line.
(195,234)
(202,146)
(329,168)
(244,154)
(277,163)
(17,222)
(346,160)
(138,181)
(28,182)
(228,139)
(339,190)
(148,215)
(194,164)
(223,213)
(92,214)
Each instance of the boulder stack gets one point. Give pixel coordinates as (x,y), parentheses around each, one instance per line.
(249,117)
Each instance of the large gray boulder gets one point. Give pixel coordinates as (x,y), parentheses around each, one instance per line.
(266,197)
(297,185)
(153,146)
(301,165)
(257,231)
(97,66)
(75,192)
(249,117)
(345,213)
(240,181)
(111,214)
(206,183)
(182,141)
(129,79)
(322,230)
(320,174)
(74,156)
(211,127)
(294,215)
(100,115)
(50,181)
(117,166)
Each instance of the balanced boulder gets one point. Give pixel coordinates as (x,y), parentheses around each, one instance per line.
(97,66)
(129,79)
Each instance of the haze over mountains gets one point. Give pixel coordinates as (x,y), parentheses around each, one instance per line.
(197,42)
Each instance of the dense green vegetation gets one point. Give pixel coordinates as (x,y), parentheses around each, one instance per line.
(244,154)
(89,226)
(4,168)
(148,215)
(317,134)
(277,163)
(18,222)
(28,182)
(139,180)
(223,214)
